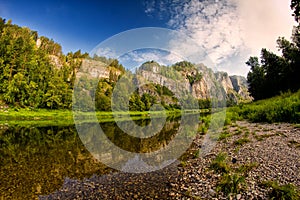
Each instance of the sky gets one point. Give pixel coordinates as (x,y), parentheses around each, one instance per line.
(228,31)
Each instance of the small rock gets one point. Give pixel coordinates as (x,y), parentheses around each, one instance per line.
(212,192)
(238,196)
(234,160)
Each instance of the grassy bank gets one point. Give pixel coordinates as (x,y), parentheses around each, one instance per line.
(66,116)
(282,108)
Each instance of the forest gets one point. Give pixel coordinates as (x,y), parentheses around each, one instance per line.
(34,72)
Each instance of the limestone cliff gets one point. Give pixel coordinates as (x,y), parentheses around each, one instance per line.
(211,85)
(181,78)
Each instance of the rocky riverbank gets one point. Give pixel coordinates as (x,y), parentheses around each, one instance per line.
(268,152)
(254,152)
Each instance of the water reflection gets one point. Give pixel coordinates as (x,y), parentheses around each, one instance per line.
(141,145)
(121,151)
(36,160)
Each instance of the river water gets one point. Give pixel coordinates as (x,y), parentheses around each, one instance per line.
(36,160)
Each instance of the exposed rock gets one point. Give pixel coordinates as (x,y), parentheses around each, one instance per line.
(224,80)
(55,60)
(216,85)
(240,85)
(198,80)
(95,68)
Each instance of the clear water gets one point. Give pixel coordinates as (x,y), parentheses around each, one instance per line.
(37,159)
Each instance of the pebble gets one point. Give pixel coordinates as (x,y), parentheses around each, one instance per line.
(212,192)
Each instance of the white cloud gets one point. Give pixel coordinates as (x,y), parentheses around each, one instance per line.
(229,30)
(136,58)
(149,7)
(106,52)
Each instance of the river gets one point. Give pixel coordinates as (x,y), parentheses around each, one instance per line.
(36,160)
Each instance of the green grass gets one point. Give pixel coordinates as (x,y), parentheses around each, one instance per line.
(263,136)
(241,141)
(297,125)
(182,164)
(282,192)
(225,128)
(238,132)
(236,150)
(224,135)
(67,115)
(246,168)
(294,143)
(219,164)
(231,183)
(232,179)
(247,133)
(282,108)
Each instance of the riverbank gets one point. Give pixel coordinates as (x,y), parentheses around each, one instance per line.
(67,115)
(248,158)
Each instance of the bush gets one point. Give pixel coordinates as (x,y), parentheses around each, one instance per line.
(231,116)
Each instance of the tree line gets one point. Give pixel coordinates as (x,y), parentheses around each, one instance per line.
(28,75)
(273,74)
(35,73)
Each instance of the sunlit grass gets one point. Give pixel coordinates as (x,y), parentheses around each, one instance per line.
(282,108)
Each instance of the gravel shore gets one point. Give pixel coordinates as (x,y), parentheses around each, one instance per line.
(272,148)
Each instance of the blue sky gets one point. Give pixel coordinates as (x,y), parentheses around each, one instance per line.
(78,24)
(228,30)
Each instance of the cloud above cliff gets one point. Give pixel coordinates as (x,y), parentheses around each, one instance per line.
(136,58)
(229,30)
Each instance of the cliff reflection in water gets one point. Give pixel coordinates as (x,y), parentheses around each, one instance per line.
(36,160)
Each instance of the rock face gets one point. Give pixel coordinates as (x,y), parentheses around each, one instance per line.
(240,85)
(211,85)
(236,87)
(182,79)
(95,69)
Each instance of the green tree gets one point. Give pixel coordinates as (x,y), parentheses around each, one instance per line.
(276,73)
(295,6)
(256,78)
